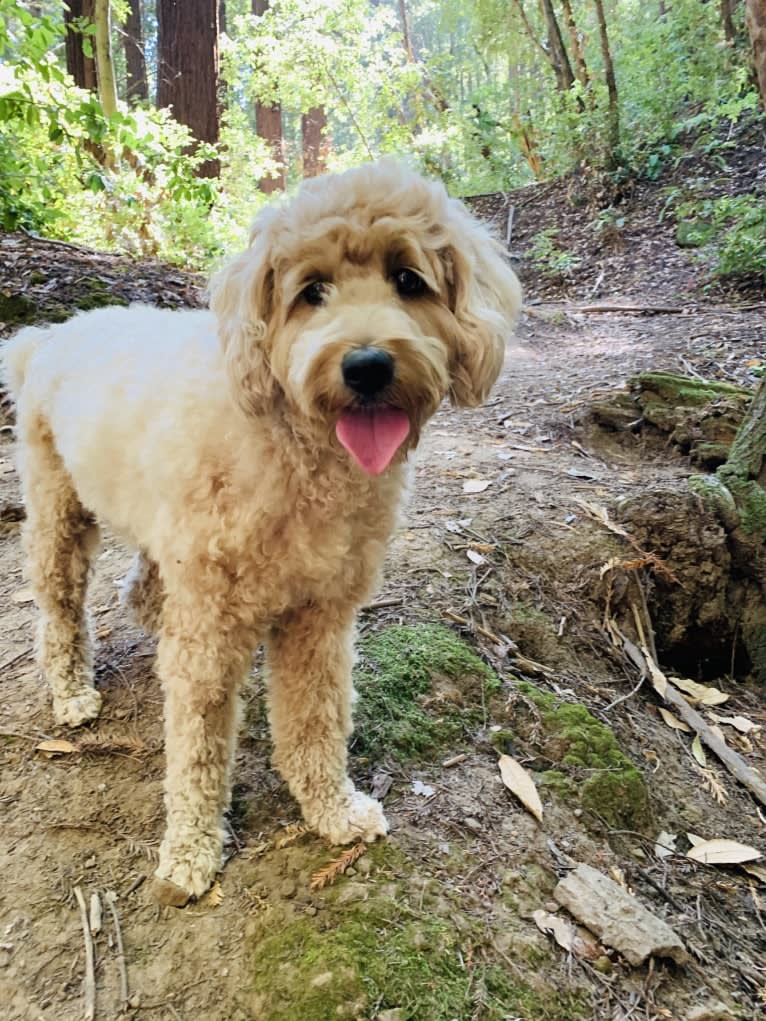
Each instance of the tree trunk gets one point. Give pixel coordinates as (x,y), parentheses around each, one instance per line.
(557,53)
(406,38)
(81,67)
(187,68)
(755,18)
(137,88)
(727,21)
(313,128)
(107,90)
(268,125)
(611,82)
(581,67)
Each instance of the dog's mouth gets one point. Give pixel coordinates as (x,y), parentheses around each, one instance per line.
(372,434)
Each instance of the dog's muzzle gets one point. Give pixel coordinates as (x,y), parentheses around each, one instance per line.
(367,371)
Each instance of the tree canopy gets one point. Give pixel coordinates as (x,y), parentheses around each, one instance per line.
(487,94)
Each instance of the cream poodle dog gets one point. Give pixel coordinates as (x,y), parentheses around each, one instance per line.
(255,456)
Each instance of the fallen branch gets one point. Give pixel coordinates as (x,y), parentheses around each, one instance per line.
(90,969)
(648,309)
(732,760)
(110,898)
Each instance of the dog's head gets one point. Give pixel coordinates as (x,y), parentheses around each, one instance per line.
(360,303)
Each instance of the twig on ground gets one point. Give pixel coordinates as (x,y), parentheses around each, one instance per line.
(110,898)
(90,969)
(380,603)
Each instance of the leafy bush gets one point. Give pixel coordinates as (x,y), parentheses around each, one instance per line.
(735,238)
(547,257)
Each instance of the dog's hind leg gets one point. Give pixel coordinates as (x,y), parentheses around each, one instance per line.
(309,658)
(204,656)
(143,594)
(60,538)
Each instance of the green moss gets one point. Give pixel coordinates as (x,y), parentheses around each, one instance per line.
(683,391)
(594,769)
(356,959)
(97,294)
(421,688)
(750,499)
(16,309)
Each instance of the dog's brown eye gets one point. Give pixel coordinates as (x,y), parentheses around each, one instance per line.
(315,293)
(409,284)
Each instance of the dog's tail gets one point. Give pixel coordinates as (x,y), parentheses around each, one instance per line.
(15,355)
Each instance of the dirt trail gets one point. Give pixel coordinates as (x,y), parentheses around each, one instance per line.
(95,819)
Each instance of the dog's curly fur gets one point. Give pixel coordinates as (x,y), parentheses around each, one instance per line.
(206,440)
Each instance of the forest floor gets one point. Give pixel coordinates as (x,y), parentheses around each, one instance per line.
(499,547)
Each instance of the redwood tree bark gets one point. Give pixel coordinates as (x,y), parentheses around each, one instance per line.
(755,17)
(81,67)
(268,125)
(313,127)
(187,68)
(137,88)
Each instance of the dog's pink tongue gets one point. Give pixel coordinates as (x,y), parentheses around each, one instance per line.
(372,436)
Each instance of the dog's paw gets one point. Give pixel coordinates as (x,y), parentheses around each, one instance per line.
(80,707)
(186,869)
(357,817)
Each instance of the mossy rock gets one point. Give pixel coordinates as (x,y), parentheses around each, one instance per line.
(589,766)
(421,689)
(395,951)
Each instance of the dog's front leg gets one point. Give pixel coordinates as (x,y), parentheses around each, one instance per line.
(202,663)
(309,657)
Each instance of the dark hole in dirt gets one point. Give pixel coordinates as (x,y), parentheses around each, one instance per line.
(706,657)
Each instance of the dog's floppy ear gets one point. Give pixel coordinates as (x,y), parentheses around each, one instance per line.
(242,298)
(485,298)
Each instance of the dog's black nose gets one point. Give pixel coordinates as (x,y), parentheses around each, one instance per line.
(367,371)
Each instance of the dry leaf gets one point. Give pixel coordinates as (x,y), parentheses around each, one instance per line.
(57,747)
(698,751)
(290,834)
(214,896)
(327,875)
(665,845)
(722,852)
(475,558)
(740,723)
(715,786)
(23,595)
(701,693)
(423,789)
(476,485)
(561,930)
(673,721)
(694,839)
(756,870)
(520,783)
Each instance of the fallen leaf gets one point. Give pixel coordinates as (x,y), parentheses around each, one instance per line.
(476,485)
(665,844)
(694,839)
(214,896)
(422,789)
(722,852)
(57,747)
(673,721)
(475,558)
(520,783)
(553,925)
(756,870)
(701,693)
(24,595)
(698,751)
(740,723)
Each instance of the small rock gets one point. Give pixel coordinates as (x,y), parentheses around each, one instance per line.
(90,863)
(711,1012)
(167,892)
(397,1014)
(473,824)
(322,980)
(310,909)
(617,918)
(288,888)
(352,891)
(364,867)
